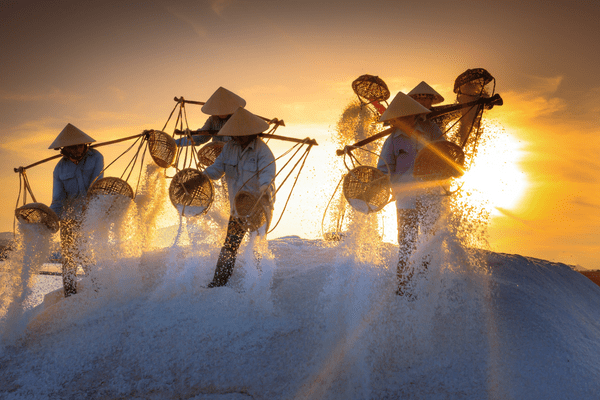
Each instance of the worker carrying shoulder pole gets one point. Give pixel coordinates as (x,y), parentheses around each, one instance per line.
(73,175)
(220,106)
(248,164)
(397,159)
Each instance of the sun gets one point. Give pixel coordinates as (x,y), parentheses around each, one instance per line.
(495,173)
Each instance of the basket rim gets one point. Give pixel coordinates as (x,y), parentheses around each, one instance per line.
(129,194)
(257,203)
(52,221)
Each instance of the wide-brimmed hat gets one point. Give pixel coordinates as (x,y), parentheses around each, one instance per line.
(223,102)
(423,89)
(70,136)
(243,123)
(402,106)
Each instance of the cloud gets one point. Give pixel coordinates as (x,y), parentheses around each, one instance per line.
(543,85)
(185,16)
(53,94)
(30,140)
(117,93)
(535,98)
(265,90)
(580,201)
(190,13)
(219,5)
(525,106)
(513,216)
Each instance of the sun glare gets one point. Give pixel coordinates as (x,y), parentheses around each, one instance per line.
(495,172)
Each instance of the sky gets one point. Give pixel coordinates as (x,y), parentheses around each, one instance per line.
(112,68)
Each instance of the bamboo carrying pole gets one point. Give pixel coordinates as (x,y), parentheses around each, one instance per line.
(312,142)
(201,103)
(21,169)
(495,100)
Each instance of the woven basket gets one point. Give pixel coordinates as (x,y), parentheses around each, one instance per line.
(191,188)
(372,88)
(477,78)
(251,214)
(163,148)
(209,153)
(366,189)
(38,213)
(438,161)
(110,186)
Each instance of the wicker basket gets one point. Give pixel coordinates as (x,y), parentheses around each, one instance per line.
(163,148)
(372,88)
(191,188)
(367,189)
(38,213)
(110,186)
(438,161)
(253,214)
(472,82)
(209,153)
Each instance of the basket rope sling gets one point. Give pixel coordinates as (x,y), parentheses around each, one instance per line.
(162,151)
(38,213)
(441,160)
(251,209)
(190,191)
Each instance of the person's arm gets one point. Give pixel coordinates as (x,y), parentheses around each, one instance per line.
(386,157)
(58,193)
(98,167)
(195,140)
(266,167)
(217,169)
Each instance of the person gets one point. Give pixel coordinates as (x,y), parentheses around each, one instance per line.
(73,175)
(248,164)
(397,160)
(428,204)
(426,96)
(220,106)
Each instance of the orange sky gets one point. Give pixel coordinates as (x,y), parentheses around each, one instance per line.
(112,69)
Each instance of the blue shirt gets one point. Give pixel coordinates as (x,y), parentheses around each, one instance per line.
(245,169)
(213,123)
(398,153)
(71,182)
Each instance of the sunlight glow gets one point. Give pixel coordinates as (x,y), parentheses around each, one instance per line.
(495,173)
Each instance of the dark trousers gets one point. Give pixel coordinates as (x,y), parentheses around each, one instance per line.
(70,234)
(408,229)
(226,261)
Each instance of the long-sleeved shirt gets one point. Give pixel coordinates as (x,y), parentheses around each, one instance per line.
(399,152)
(245,169)
(71,182)
(213,123)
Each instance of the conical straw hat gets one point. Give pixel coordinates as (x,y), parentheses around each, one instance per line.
(243,123)
(70,136)
(223,102)
(424,89)
(402,106)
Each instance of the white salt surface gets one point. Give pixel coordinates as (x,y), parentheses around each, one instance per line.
(307,319)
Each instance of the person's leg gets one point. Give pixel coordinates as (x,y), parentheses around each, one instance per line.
(226,261)
(407,239)
(69,229)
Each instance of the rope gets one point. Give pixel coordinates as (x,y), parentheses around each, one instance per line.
(303,159)
(121,155)
(338,223)
(141,169)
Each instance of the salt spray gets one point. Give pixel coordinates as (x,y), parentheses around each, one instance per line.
(32,249)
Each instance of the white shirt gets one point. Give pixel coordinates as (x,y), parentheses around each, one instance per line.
(245,169)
